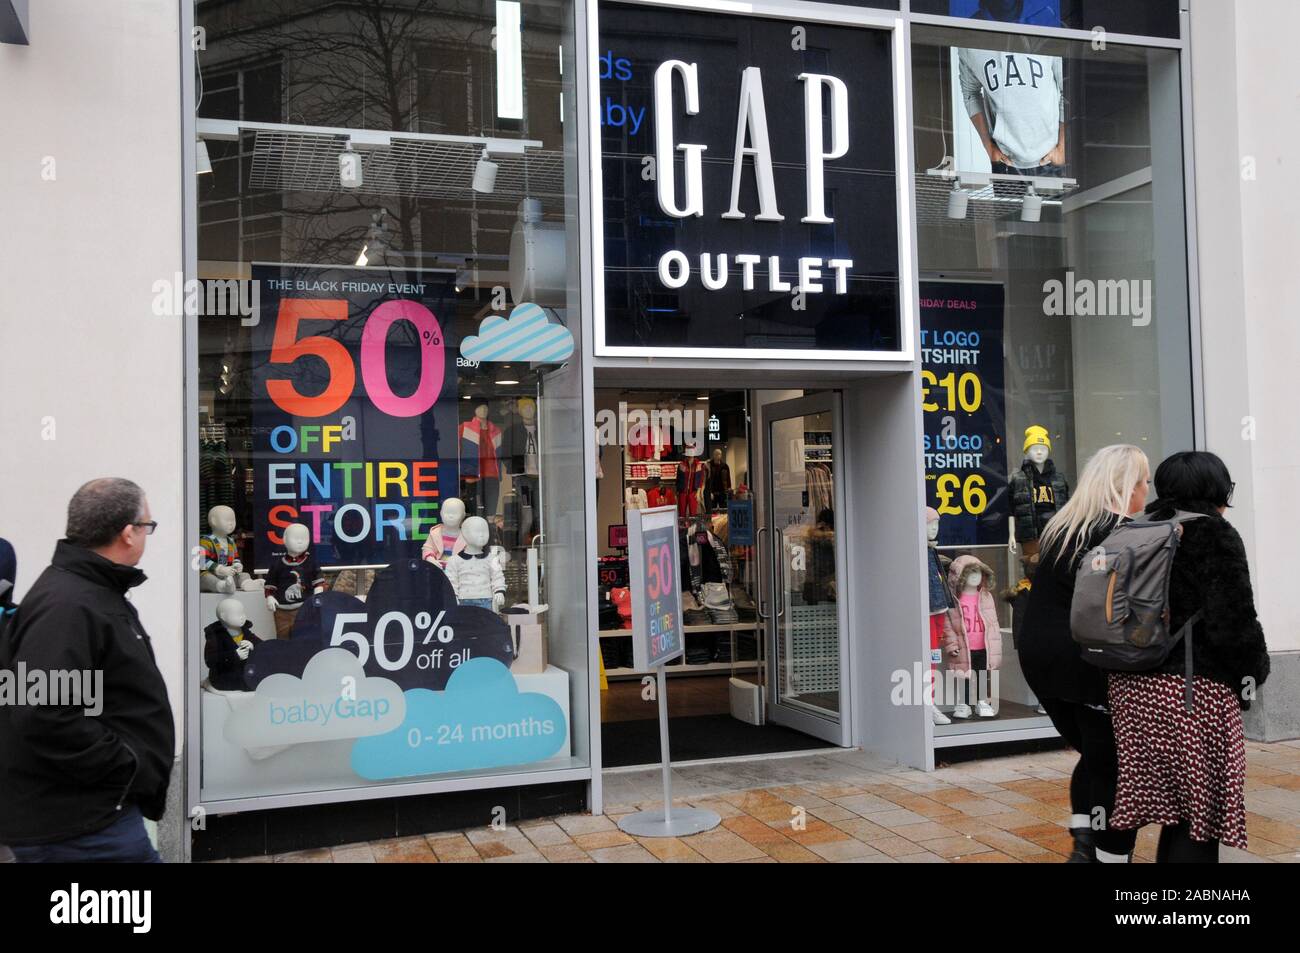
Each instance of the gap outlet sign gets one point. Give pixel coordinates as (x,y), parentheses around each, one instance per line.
(750,186)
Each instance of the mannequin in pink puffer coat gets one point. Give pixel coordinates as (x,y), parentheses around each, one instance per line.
(956,647)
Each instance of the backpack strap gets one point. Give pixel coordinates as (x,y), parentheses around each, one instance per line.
(1185,633)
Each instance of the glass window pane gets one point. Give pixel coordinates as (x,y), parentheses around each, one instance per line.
(389,377)
(1054,289)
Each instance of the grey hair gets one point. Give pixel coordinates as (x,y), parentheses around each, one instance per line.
(101,509)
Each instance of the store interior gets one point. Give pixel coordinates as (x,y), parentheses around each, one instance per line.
(692,449)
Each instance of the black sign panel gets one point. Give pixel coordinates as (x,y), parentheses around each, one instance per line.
(725,99)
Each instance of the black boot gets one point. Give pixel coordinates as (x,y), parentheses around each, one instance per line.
(1085,849)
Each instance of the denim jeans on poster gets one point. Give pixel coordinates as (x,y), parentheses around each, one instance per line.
(125,841)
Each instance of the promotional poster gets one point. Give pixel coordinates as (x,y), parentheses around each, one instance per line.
(352,369)
(964,411)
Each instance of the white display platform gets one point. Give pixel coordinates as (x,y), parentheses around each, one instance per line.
(230,771)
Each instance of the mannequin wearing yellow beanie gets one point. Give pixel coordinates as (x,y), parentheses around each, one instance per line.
(1038,490)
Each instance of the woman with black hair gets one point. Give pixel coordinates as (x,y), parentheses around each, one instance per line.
(1186,770)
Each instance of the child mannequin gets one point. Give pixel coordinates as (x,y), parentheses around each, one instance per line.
(941,601)
(972,634)
(221,570)
(444,539)
(474,574)
(290,578)
(227,643)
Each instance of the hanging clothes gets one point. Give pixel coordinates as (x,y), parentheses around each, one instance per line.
(821,489)
(480,443)
(690,483)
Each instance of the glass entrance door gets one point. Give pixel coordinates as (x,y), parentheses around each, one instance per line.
(801,539)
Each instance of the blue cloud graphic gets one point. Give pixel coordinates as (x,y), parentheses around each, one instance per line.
(527,335)
(482,720)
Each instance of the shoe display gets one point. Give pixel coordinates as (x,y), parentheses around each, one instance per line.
(985,710)
(939,717)
(961,711)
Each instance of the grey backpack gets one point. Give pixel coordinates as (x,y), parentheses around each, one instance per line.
(1119,615)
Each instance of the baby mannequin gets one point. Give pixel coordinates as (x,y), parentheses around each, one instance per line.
(221,570)
(445,539)
(474,574)
(227,643)
(290,579)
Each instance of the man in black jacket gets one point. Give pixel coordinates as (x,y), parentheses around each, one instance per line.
(78,776)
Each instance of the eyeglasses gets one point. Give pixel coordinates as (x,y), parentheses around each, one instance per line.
(150,526)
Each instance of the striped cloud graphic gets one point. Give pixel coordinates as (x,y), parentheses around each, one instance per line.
(527,335)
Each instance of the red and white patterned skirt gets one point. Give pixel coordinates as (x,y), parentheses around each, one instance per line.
(1176,765)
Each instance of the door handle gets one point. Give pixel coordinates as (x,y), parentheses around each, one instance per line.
(778,594)
(759,549)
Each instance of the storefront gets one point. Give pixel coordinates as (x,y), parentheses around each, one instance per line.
(857,288)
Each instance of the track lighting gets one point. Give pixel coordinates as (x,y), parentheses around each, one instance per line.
(1032,209)
(485,174)
(958,201)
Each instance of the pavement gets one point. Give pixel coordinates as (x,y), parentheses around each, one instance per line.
(841,806)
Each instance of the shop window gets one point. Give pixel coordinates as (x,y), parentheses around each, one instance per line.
(1054,300)
(391,485)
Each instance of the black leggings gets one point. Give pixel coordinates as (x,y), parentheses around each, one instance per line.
(1177,847)
(1089,732)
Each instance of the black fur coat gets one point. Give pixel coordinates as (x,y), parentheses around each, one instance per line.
(1210,572)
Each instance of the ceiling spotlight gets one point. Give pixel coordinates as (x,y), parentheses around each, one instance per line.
(202,164)
(350,174)
(1032,209)
(485,174)
(958,201)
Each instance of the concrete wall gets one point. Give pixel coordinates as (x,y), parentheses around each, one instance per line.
(92,379)
(1247,134)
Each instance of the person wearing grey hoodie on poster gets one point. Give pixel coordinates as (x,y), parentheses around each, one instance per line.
(1016,103)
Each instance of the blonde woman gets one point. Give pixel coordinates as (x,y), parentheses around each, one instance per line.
(1112,488)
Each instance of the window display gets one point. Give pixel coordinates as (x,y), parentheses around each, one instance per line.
(1054,315)
(388,430)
